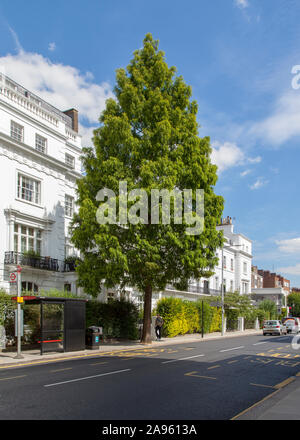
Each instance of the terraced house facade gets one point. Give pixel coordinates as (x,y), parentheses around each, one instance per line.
(39,163)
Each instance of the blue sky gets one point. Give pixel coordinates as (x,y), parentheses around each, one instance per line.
(237,55)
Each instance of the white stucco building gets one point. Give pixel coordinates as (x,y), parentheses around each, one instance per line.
(39,164)
(237,262)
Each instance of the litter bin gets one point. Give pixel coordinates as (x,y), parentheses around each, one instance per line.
(93,334)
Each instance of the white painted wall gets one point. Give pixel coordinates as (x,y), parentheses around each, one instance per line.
(56,180)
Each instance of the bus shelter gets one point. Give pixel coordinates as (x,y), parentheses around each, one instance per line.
(62,323)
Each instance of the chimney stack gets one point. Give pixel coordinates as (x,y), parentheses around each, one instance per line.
(73,113)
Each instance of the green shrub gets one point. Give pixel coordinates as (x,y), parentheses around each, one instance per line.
(182,316)
(216,320)
(173,313)
(191,316)
(232,319)
(118,318)
(7,307)
(207,316)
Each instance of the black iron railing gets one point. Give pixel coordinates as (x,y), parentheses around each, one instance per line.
(45,263)
(198,289)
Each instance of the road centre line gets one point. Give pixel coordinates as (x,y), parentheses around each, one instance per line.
(14,377)
(61,369)
(88,377)
(258,343)
(229,349)
(193,374)
(261,385)
(99,363)
(183,359)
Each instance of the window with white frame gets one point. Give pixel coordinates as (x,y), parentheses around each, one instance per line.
(28,286)
(217,283)
(231,264)
(245,267)
(224,262)
(40,143)
(29,189)
(231,285)
(70,160)
(16,131)
(69,206)
(27,239)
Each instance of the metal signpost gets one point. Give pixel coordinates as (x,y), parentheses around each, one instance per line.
(19,323)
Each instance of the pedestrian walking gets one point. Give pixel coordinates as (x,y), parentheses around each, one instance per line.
(158,326)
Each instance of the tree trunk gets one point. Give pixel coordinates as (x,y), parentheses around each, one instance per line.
(146,336)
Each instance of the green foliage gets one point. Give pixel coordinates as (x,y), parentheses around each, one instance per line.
(293,300)
(119,318)
(242,303)
(172,311)
(216,320)
(55,293)
(191,316)
(232,319)
(181,316)
(269,307)
(148,137)
(283,313)
(7,307)
(207,315)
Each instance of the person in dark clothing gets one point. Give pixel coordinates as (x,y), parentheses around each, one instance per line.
(158,326)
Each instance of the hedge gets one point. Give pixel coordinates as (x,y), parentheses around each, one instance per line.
(182,316)
(119,318)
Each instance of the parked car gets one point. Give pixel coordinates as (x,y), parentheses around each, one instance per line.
(274,327)
(292,324)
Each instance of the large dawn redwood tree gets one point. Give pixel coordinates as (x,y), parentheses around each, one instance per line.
(148,137)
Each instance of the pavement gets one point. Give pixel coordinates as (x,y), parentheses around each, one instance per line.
(282,404)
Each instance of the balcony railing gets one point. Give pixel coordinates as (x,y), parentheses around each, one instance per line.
(44,263)
(198,289)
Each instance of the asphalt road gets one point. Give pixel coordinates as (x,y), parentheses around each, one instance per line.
(211,380)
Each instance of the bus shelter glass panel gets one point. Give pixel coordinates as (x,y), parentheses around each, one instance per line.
(52,327)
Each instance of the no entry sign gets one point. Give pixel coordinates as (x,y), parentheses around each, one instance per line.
(13,277)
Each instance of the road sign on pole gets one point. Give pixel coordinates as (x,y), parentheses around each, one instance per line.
(13,278)
(19,316)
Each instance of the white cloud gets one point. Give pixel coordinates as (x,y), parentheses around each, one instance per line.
(242,3)
(245,173)
(259,183)
(226,155)
(19,48)
(254,159)
(291,270)
(290,245)
(61,85)
(284,121)
(52,47)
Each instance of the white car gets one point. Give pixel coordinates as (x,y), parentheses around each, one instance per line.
(273,327)
(292,325)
